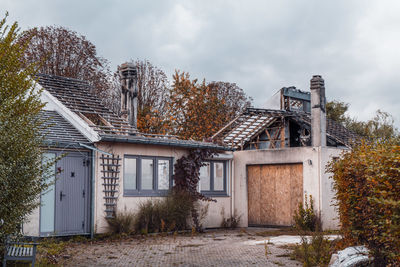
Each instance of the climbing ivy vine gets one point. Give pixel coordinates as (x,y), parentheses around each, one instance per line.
(187,177)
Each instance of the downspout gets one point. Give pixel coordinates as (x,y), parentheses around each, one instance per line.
(319,181)
(232,186)
(93,183)
(93,190)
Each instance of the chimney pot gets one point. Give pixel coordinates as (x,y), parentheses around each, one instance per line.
(129,91)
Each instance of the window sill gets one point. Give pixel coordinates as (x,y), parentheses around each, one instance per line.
(145,193)
(214,194)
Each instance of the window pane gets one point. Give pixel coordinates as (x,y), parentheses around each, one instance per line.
(163,174)
(147,174)
(47,197)
(218,176)
(130,173)
(205,177)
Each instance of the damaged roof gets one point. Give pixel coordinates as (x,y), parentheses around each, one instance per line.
(254,121)
(76,95)
(334,130)
(248,124)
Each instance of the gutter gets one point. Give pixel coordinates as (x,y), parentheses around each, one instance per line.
(93,185)
(162,142)
(64,145)
(95,149)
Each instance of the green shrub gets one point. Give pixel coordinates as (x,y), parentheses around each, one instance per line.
(168,214)
(305,217)
(367,184)
(122,223)
(314,251)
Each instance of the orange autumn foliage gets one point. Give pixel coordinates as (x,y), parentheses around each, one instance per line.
(367,184)
(188,109)
(152,122)
(198,110)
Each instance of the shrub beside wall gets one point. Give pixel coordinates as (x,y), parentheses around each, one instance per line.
(121,223)
(367,183)
(171,213)
(306,218)
(314,249)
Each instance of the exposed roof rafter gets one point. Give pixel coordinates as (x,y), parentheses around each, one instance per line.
(254,121)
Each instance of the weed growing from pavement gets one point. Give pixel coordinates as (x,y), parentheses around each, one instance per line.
(283,256)
(266,251)
(315,250)
(231,222)
(193,231)
(51,250)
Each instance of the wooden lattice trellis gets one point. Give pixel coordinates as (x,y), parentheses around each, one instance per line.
(110,176)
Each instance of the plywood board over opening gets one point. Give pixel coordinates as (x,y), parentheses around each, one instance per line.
(274,193)
(254,194)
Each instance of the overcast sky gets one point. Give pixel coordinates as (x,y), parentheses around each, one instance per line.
(259,45)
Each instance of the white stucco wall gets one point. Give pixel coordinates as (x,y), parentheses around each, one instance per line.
(315,181)
(131,203)
(328,211)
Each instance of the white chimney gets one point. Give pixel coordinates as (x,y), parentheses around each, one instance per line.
(318,112)
(129,91)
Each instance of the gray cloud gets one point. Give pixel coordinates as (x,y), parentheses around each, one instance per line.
(260,45)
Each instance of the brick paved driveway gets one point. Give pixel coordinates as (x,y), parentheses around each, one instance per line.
(217,248)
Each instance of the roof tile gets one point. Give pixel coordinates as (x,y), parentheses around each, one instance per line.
(59,130)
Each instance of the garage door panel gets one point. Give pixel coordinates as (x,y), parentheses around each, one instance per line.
(254,194)
(274,192)
(282,199)
(296,186)
(267,191)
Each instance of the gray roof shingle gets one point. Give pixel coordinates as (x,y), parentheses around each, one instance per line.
(58,131)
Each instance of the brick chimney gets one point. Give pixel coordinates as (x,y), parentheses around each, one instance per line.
(318,112)
(129,91)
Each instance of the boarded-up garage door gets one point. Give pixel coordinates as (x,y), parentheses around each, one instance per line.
(274,193)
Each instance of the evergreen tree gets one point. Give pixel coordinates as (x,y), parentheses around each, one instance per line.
(22,176)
